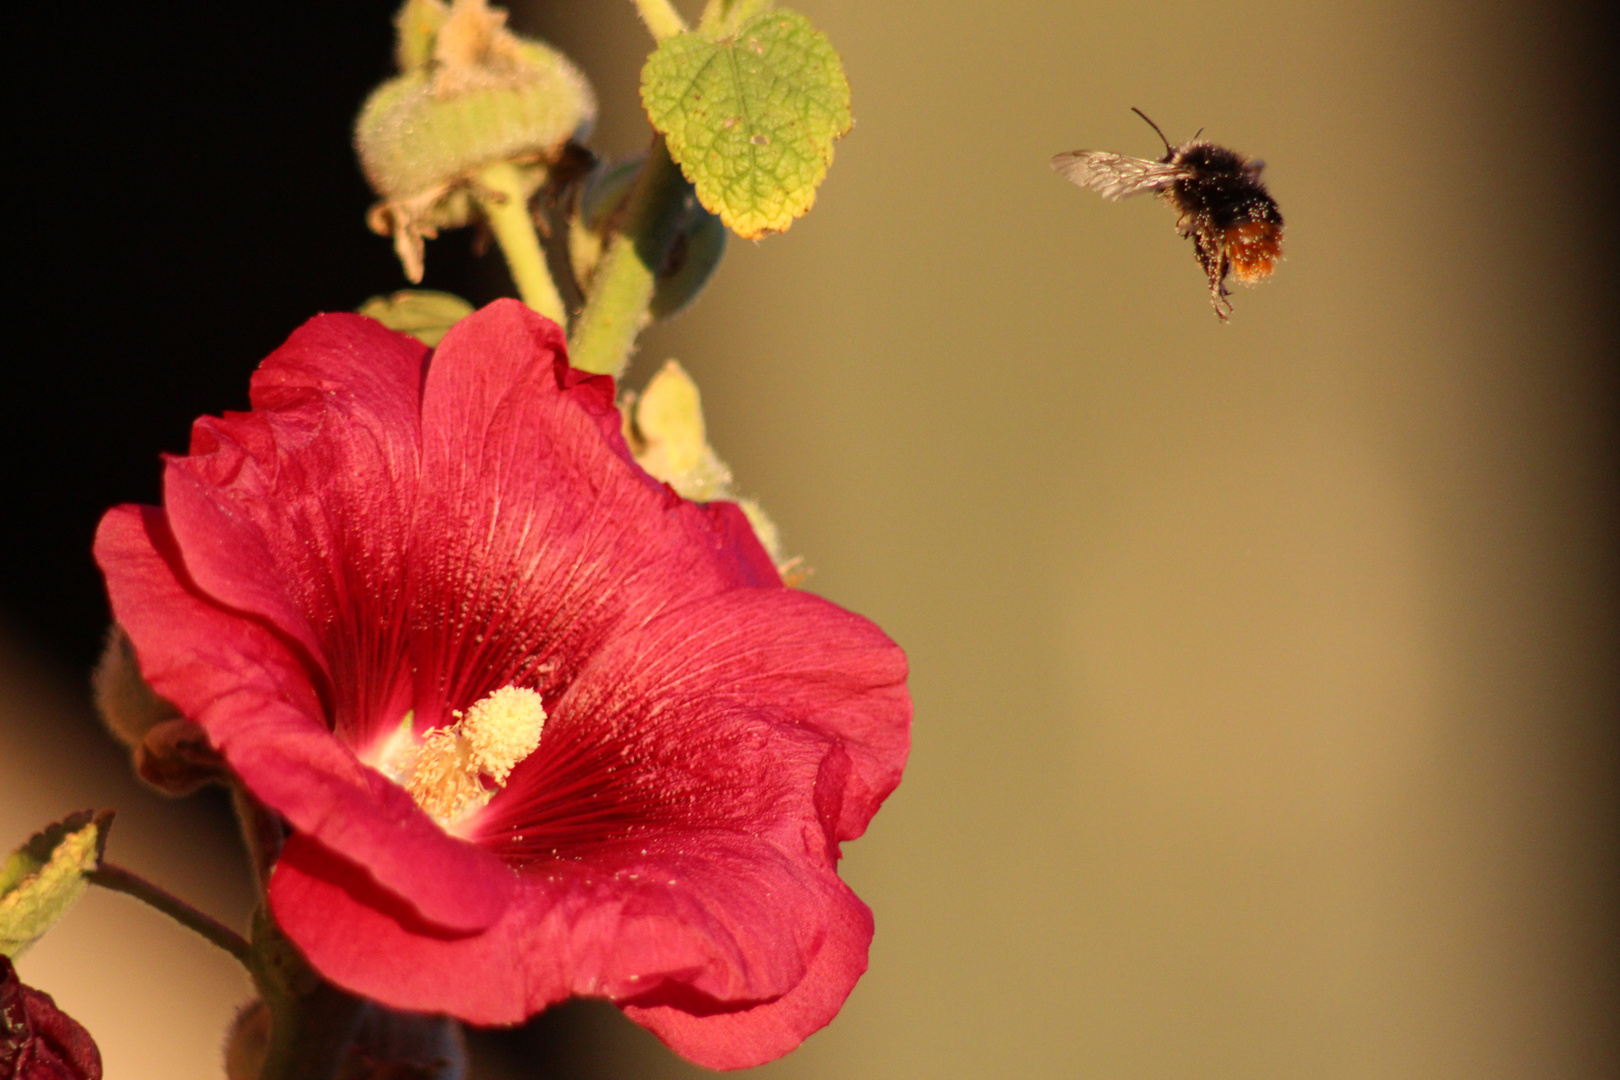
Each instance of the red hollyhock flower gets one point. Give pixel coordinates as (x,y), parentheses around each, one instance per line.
(38,1041)
(540,726)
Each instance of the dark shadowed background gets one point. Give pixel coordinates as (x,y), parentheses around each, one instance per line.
(1265,673)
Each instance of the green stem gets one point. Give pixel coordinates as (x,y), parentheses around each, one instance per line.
(502,196)
(310,1035)
(622,287)
(721,17)
(118,879)
(661,18)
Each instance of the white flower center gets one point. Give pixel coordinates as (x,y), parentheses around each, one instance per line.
(445,771)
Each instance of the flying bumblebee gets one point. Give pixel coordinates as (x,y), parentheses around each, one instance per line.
(1223,205)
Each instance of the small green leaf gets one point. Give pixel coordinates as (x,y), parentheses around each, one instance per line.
(750,118)
(424,314)
(43,878)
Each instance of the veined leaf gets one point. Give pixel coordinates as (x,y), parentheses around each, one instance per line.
(750,118)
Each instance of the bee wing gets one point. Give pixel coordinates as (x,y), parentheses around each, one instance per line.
(1115,176)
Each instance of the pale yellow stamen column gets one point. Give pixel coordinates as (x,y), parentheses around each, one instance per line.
(444,774)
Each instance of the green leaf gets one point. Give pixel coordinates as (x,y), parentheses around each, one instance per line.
(750,118)
(424,314)
(43,878)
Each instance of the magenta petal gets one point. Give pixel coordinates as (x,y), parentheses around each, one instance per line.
(357,936)
(765,711)
(254,698)
(539,536)
(721,924)
(742,1037)
(819,668)
(300,512)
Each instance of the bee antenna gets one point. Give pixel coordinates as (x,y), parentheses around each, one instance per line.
(1167,147)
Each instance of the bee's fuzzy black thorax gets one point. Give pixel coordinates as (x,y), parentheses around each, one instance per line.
(1224,187)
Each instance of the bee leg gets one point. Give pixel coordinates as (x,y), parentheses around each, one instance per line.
(1212,257)
(1218,292)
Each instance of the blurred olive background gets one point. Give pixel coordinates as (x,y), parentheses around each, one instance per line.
(1265,673)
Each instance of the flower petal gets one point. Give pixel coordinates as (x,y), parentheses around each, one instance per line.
(723,925)
(539,536)
(714,916)
(253,695)
(300,511)
(765,711)
(741,1038)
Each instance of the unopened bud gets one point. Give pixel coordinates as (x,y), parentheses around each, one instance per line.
(38,1041)
(424,314)
(665,430)
(171,753)
(470,93)
(128,706)
(247,1042)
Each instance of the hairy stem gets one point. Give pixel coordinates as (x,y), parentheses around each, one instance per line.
(501,195)
(118,879)
(722,16)
(622,287)
(661,18)
(310,1036)
(312,1023)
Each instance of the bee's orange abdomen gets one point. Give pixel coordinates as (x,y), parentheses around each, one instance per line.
(1253,247)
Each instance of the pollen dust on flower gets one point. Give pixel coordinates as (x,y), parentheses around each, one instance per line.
(445,773)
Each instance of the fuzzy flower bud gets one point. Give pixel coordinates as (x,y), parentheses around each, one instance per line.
(665,430)
(470,94)
(171,753)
